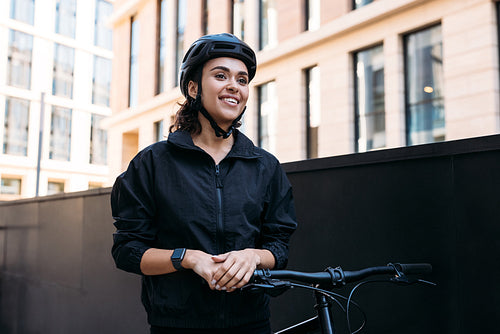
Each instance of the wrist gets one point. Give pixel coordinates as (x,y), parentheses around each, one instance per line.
(257,255)
(177,257)
(189,259)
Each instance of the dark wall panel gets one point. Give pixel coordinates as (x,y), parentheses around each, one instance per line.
(435,203)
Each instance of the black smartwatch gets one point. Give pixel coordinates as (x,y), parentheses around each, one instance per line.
(177,257)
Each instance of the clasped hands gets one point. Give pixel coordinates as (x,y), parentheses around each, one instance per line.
(225,272)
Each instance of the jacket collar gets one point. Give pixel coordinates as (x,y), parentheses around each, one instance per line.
(242,147)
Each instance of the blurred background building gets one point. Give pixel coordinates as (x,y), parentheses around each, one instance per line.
(334,77)
(55,75)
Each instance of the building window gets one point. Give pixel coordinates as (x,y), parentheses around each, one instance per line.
(134,65)
(238,19)
(204,17)
(267,113)
(179,45)
(103,36)
(66,17)
(159,135)
(19,59)
(313,110)
(55,187)
(16,126)
(23,10)
(60,134)
(64,61)
(360,3)
(425,118)
(11,186)
(101,81)
(312,14)
(95,185)
(268,24)
(369,99)
(98,141)
(162,46)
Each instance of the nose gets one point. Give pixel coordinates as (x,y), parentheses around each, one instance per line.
(232,85)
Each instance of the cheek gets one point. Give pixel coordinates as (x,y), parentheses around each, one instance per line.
(244,95)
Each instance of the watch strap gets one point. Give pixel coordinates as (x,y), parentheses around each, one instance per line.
(177,257)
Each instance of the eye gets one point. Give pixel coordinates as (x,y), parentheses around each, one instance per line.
(243,81)
(220,76)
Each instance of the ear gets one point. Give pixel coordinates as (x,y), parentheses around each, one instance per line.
(192,89)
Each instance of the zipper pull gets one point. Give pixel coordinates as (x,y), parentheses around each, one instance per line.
(218,180)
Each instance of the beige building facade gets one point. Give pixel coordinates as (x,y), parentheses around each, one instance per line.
(334,76)
(55,74)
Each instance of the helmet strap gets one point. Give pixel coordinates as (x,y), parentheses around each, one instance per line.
(219,132)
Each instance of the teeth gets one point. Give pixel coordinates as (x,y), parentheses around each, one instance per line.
(230,100)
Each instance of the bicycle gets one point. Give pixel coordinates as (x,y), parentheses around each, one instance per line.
(276,282)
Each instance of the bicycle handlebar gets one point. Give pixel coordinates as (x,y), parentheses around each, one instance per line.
(338,275)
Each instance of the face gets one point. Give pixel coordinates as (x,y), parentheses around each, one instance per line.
(225,89)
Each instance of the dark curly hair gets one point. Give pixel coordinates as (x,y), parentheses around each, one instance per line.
(186,118)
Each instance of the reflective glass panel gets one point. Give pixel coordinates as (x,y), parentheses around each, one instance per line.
(103,35)
(313,109)
(162,47)
(55,187)
(369,99)
(60,134)
(64,62)
(267,116)
(425,117)
(181,25)
(134,66)
(101,82)
(98,141)
(360,3)
(23,10)
(16,126)
(268,24)
(19,59)
(66,17)
(10,186)
(239,19)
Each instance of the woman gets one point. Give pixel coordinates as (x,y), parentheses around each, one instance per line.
(198,213)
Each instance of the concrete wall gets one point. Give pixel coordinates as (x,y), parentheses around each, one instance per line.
(436,203)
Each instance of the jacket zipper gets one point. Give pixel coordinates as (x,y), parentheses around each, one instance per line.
(220,223)
(220,235)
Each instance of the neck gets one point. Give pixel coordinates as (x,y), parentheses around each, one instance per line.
(216,147)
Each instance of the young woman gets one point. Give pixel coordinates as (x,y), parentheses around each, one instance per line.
(198,213)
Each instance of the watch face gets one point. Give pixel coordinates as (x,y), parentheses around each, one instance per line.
(178,253)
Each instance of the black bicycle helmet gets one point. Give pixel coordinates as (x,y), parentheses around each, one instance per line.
(214,46)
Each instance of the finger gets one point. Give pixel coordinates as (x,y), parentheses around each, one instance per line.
(219,258)
(245,280)
(230,277)
(237,280)
(226,268)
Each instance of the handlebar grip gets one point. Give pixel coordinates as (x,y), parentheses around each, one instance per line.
(414,268)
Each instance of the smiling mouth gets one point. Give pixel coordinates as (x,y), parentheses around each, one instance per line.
(230,100)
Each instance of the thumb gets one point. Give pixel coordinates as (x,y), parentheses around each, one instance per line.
(219,258)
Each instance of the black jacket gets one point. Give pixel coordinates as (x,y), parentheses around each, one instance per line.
(173,195)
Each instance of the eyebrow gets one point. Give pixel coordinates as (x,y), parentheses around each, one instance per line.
(224,68)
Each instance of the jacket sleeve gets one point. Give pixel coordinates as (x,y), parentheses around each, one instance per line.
(279,220)
(133,208)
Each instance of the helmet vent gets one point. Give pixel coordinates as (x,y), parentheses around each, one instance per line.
(224,46)
(249,53)
(198,49)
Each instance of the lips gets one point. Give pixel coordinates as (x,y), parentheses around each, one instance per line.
(229,99)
